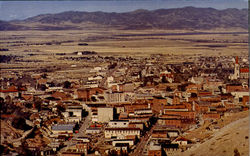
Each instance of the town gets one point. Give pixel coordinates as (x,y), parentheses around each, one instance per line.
(120,105)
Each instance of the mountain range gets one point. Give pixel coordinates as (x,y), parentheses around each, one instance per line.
(176,18)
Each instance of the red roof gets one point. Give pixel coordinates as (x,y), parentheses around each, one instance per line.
(237,60)
(182,139)
(12,89)
(244,70)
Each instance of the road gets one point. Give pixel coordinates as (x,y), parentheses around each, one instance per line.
(143,141)
(109,73)
(85,124)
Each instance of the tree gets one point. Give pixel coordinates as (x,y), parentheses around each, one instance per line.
(85,113)
(236,152)
(66,84)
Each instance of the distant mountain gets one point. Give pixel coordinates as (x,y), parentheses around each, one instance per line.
(178,18)
(8,26)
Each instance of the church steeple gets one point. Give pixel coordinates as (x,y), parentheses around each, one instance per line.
(237,60)
(237,68)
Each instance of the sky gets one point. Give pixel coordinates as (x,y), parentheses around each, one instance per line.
(11,10)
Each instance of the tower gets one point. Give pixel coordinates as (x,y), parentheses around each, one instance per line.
(236,68)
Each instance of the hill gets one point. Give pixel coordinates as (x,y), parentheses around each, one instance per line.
(227,141)
(178,18)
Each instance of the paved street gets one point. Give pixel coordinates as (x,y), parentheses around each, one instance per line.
(85,124)
(141,145)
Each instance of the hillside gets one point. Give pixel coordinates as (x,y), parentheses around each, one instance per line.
(235,132)
(178,18)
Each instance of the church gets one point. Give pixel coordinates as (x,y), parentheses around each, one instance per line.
(239,73)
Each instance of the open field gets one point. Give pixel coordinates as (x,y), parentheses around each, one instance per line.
(127,42)
(48,49)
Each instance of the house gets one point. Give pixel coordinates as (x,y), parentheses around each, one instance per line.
(86,94)
(95,78)
(202,106)
(196,80)
(183,114)
(170,122)
(137,125)
(122,148)
(182,141)
(167,76)
(78,149)
(135,106)
(143,111)
(94,116)
(121,133)
(159,134)
(245,100)
(234,88)
(12,91)
(244,73)
(207,116)
(61,95)
(158,103)
(238,95)
(73,113)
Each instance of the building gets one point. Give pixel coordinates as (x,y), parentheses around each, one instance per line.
(242,73)
(62,129)
(73,113)
(122,133)
(93,130)
(154,150)
(105,114)
(118,123)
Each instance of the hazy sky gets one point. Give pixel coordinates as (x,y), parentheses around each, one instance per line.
(10,10)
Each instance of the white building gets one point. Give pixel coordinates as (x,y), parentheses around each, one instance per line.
(94,130)
(118,123)
(130,142)
(121,133)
